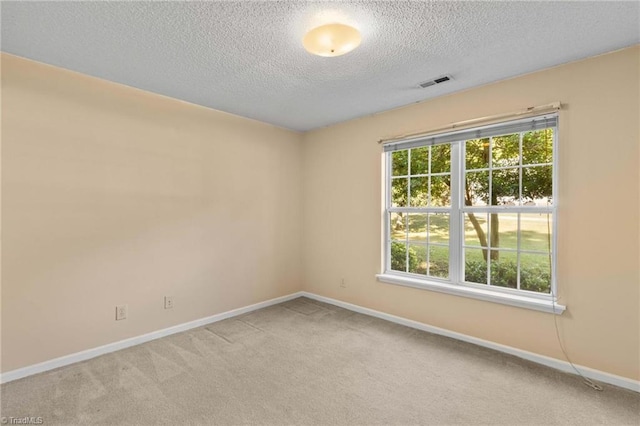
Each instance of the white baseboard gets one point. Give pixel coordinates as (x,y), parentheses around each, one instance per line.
(591,373)
(122,344)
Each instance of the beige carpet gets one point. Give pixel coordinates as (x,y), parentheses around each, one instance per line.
(303,362)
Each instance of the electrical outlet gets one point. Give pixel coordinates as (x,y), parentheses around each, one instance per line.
(168,302)
(342,283)
(121,312)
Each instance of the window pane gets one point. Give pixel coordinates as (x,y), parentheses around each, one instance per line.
(417,259)
(535,272)
(439,261)
(505,187)
(477,154)
(441,158)
(440,191)
(475,229)
(398,226)
(535,232)
(418,227)
(399,163)
(537,147)
(500,248)
(399,192)
(477,188)
(439,228)
(537,183)
(475,267)
(506,150)
(504,268)
(420,161)
(504,233)
(398,256)
(419,192)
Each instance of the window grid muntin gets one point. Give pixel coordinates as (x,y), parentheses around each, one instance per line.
(490,208)
(409,209)
(459,209)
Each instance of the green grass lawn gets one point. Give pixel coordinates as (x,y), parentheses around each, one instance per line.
(534,236)
(534,232)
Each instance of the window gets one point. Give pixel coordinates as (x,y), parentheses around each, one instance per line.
(472,212)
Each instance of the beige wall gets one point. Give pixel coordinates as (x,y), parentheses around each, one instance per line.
(112,195)
(598,213)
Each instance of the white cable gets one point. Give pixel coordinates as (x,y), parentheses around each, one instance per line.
(586,380)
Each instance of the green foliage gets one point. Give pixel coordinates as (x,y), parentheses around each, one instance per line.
(537,148)
(399,163)
(417,187)
(419,191)
(399,192)
(439,267)
(438,264)
(476,188)
(505,185)
(477,154)
(537,182)
(505,274)
(441,191)
(499,151)
(399,257)
(506,150)
(475,271)
(535,279)
(441,158)
(420,161)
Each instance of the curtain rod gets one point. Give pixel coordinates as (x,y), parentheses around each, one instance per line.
(554,106)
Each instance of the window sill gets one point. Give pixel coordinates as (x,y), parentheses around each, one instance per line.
(521,301)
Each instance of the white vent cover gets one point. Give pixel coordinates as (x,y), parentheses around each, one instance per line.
(435,81)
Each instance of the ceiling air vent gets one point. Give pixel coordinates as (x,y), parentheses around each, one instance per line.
(435,81)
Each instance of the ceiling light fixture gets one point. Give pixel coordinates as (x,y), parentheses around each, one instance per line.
(331,40)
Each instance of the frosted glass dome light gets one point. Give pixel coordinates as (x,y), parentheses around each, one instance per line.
(331,40)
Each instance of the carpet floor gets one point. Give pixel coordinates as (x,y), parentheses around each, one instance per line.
(304,362)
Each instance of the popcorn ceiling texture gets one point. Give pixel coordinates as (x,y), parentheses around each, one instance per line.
(247,58)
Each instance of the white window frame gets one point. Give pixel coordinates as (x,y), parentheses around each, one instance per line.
(454,284)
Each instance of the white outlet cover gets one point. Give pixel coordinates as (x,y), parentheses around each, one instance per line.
(168,302)
(121,312)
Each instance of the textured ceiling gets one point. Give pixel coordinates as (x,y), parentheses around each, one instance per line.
(247,57)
